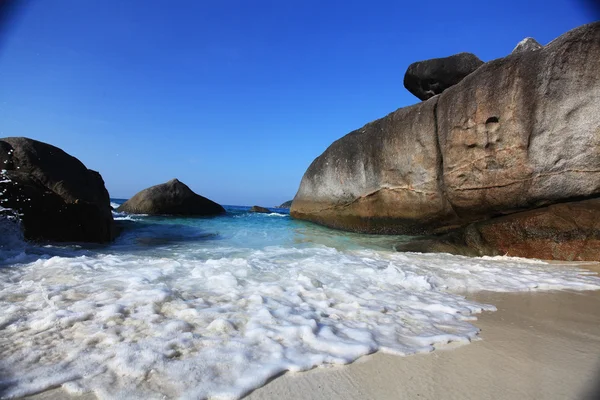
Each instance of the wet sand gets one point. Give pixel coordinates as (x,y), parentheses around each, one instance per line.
(536,346)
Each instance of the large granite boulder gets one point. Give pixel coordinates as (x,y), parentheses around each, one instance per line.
(170,198)
(383,178)
(563,231)
(427,78)
(524,131)
(57,197)
(519,133)
(527,44)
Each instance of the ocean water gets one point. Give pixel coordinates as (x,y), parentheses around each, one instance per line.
(215,307)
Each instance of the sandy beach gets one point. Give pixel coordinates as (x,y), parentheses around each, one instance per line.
(536,346)
(272,200)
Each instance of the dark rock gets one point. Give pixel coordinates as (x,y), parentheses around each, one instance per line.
(259,209)
(527,44)
(287,204)
(427,78)
(452,243)
(58,198)
(565,231)
(519,133)
(170,198)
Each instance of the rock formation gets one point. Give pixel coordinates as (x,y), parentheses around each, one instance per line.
(564,231)
(527,44)
(287,204)
(427,78)
(170,198)
(259,209)
(519,133)
(57,197)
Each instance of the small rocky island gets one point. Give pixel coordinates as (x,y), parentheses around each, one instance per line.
(287,204)
(503,161)
(171,198)
(259,209)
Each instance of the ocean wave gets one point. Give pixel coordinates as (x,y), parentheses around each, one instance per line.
(12,243)
(124,217)
(222,321)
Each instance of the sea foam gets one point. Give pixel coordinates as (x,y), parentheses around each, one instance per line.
(220,321)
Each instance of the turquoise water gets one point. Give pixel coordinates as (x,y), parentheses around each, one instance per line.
(214,307)
(239,228)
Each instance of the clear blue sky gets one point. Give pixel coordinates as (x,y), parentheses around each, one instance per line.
(234,98)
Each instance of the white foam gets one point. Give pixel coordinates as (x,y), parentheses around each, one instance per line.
(274,214)
(114,205)
(123,217)
(221,324)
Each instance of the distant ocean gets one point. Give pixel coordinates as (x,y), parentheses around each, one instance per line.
(200,307)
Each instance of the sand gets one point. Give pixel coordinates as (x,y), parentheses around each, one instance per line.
(536,346)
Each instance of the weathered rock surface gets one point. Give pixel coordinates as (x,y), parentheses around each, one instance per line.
(524,131)
(170,198)
(287,204)
(527,44)
(58,198)
(519,133)
(564,231)
(259,209)
(382,178)
(427,78)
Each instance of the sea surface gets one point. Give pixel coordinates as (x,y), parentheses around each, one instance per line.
(215,307)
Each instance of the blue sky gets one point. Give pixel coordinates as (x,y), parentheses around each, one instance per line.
(234,98)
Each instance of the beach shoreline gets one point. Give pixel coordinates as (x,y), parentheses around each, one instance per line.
(536,345)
